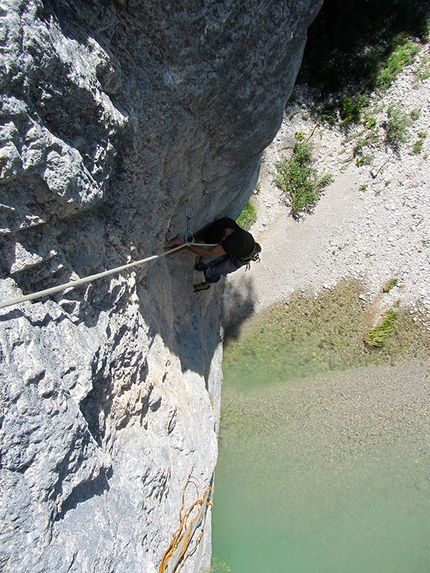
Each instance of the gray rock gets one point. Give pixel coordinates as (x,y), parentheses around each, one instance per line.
(113,115)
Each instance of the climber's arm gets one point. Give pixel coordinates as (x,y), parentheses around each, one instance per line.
(205,252)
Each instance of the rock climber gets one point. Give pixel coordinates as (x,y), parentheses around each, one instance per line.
(234,248)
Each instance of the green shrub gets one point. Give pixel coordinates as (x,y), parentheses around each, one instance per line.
(364,160)
(396,127)
(369,121)
(365,139)
(418,147)
(300,180)
(329,115)
(350,41)
(376,337)
(352,109)
(248,216)
(390,285)
(357,46)
(424,72)
(401,57)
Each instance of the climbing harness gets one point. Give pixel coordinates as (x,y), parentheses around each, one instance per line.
(254,256)
(190,520)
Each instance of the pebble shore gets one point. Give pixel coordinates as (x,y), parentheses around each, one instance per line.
(371,224)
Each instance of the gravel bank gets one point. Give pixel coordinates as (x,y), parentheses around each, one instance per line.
(372,224)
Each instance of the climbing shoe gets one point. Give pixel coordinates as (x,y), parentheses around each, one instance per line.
(200,267)
(201,286)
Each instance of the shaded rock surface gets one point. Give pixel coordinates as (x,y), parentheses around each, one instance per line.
(113,114)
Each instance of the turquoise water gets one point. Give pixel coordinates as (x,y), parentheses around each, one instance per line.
(321,471)
(284,501)
(288,500)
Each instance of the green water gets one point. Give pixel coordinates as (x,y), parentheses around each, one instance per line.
(324,462)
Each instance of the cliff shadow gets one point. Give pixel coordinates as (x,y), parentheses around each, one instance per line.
(350,41)
(189,323)
(198,322)
(239,304)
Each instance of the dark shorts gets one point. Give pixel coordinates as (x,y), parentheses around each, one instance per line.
(216,267)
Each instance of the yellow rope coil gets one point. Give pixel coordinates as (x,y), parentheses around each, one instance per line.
(178,549)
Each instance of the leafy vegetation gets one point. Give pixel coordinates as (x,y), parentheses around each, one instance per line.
(403,55)
(424,71)
(415,114)
(390,285)
(396,127)
(418,145)
(365,159)
(376,337)
(300,180)
(248,216)
(352,108)
(365,138)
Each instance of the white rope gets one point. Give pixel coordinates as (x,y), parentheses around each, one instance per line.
(78,282)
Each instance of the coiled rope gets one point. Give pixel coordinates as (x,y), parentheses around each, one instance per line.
(91,278)
(178,551)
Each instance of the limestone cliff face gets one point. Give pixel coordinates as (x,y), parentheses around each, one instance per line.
(113,114)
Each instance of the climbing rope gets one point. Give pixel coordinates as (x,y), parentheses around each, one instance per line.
(91,278)
(178,551)
(189,240)
(78,282)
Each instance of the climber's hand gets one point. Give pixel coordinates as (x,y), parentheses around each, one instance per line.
(176,242)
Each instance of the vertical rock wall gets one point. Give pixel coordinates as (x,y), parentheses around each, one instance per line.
(113,114)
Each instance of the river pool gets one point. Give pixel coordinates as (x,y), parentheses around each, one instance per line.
(324,463)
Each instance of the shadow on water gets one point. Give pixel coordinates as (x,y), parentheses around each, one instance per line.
(239,306)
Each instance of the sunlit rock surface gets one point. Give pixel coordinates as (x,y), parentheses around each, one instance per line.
(113,114)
